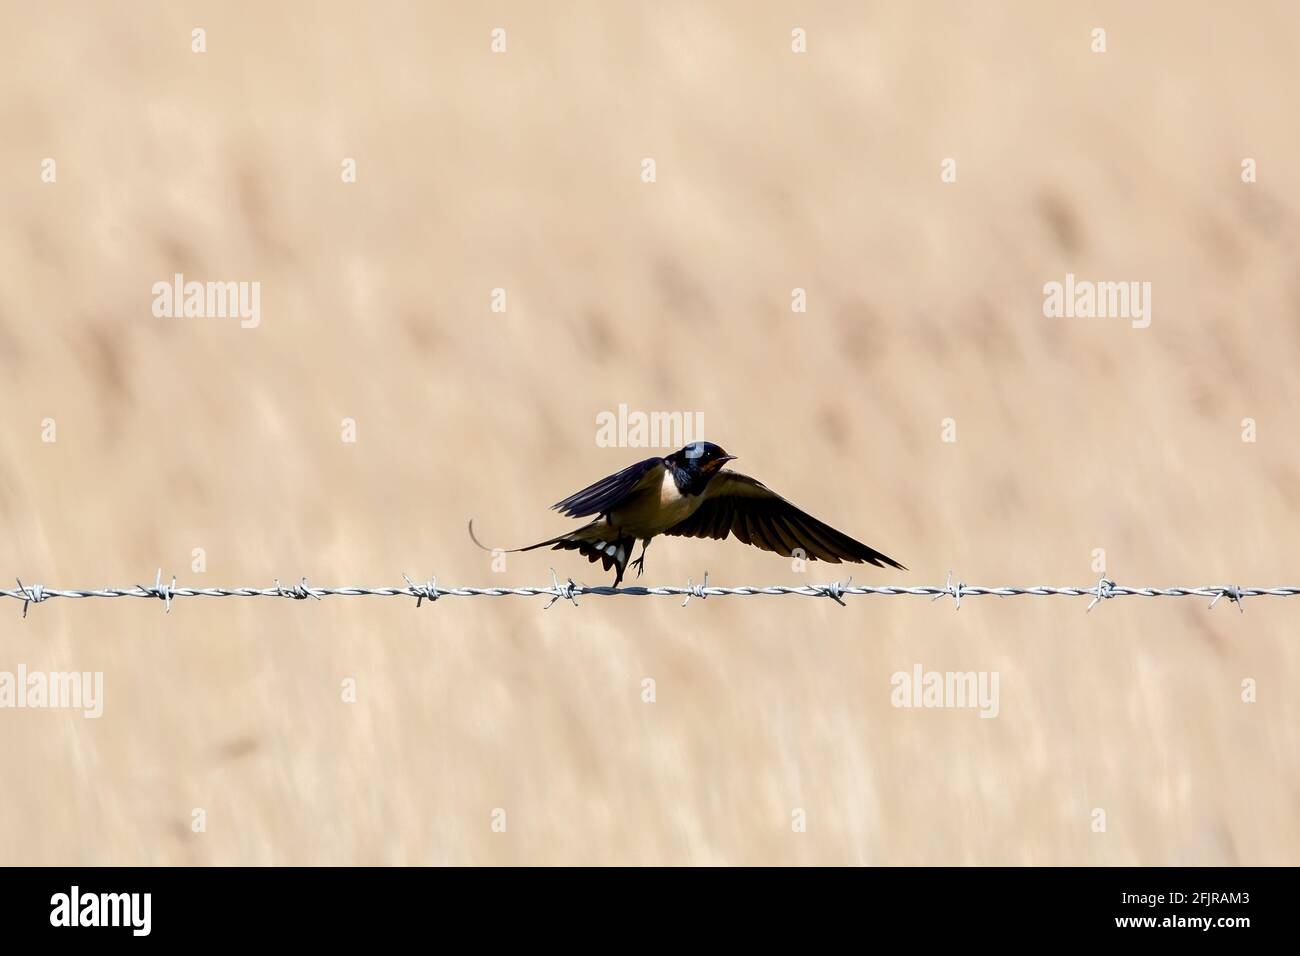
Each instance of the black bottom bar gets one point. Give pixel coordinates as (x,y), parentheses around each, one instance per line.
(333,906)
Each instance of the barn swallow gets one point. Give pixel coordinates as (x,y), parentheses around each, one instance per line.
(689,495)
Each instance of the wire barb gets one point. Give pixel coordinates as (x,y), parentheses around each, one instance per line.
(299,592)
(31,595)
(953,590)
(696,590)
(161,590)
(1233,594)
(568,591)
(1103,591)
(834,590)
(422,591)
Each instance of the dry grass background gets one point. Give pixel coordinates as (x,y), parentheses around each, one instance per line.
(775,171)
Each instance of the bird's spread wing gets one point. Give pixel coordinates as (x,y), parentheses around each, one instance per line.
(740,505)
(609,492)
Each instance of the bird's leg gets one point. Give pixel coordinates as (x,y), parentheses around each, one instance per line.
(639,563)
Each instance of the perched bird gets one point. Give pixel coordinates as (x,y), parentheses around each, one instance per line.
(688,494)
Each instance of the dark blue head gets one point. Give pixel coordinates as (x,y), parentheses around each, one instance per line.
(695,464)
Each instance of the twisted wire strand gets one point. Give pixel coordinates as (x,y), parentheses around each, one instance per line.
(569,590)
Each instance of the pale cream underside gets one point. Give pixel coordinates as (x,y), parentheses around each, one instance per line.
(652,510)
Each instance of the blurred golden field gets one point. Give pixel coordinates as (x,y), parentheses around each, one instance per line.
(522,171)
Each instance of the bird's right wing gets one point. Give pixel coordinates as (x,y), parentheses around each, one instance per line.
(609,493)
(754,513)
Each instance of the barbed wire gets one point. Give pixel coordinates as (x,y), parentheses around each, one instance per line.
(570,590)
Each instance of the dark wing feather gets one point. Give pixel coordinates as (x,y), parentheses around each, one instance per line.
(740,505)
(609,492)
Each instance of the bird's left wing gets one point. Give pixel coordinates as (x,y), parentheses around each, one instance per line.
(740,505)
(611,491)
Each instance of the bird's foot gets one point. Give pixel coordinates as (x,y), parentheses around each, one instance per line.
(639,564)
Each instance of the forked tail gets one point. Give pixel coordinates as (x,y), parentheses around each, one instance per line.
(592,541)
